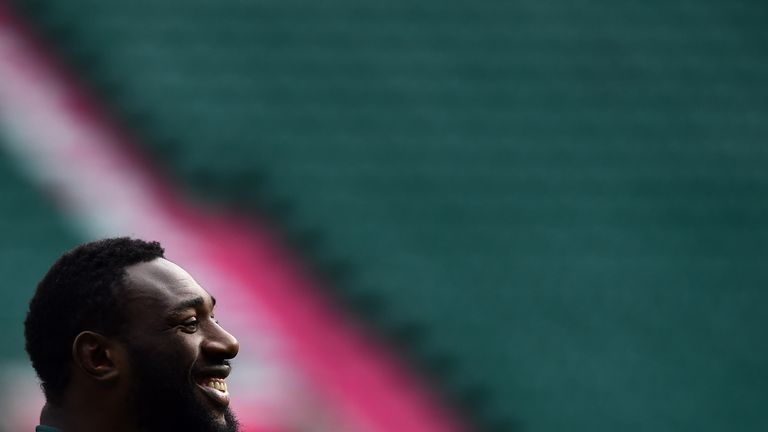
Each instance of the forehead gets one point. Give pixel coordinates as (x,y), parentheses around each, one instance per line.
(159,284)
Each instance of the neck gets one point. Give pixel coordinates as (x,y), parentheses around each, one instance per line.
(55,416)
(84,418)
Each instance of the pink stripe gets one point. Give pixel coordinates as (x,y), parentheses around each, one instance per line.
(362,374)
(363,379)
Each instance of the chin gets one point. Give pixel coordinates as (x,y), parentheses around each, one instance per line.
(217,417)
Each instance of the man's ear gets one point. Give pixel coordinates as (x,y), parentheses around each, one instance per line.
(98,356)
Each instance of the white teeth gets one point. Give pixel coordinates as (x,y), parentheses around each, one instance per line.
(217,383)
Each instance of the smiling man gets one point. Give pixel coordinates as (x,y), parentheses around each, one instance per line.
(124,340)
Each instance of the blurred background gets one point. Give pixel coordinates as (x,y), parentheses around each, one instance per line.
(422,216)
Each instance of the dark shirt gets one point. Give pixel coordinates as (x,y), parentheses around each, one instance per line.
(43,428)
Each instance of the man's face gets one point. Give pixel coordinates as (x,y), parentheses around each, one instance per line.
(178,352)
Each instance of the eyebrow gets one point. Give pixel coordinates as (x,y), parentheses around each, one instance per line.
(192,303)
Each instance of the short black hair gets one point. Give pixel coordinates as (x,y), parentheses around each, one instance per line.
(79,292)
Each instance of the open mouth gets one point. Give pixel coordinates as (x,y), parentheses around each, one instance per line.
(215,389)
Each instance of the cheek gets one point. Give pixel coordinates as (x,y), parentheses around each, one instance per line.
(180,346)
(184,350)
(177,351)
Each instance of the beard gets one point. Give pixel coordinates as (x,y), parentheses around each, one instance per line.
(164,399)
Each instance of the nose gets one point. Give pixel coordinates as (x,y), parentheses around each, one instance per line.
(220,343)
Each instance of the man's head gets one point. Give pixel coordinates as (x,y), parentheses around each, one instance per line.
(116,323)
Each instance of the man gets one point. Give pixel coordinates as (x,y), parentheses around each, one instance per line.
(124,340)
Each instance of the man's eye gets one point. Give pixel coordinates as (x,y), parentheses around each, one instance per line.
(191,323)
